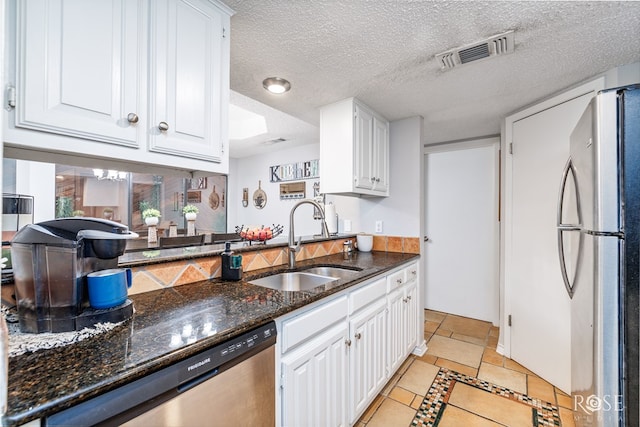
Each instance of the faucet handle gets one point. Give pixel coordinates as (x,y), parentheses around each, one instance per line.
(296,247)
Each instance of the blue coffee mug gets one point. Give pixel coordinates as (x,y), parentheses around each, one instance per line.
(108,288)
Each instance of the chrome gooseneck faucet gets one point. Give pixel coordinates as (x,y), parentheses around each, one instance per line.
(293,247)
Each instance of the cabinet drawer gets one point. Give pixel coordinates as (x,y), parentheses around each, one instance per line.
(412,272)
(366,295)
(307,324)
(397,279)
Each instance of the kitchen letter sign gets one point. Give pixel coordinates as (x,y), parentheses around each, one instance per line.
(295,171)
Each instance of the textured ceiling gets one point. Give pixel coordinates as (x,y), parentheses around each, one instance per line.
(382,51)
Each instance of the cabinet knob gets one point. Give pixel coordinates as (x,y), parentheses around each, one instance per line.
(358,335)
(377,179)
(348,343)
(163,126)
(399,281)
(132,118)
(409,298)
(373,179)
(405,300)
(414,272)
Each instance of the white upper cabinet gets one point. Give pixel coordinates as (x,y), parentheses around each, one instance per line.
(77,68)
(186,72)
(143,81)
(354,150)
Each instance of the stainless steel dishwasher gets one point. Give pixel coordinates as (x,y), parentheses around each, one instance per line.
(232,383)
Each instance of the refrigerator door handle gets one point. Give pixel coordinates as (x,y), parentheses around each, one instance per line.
(568,168)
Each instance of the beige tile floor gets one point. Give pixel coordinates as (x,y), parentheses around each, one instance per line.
(468,347)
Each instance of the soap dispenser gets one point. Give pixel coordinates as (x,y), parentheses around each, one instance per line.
(231,264)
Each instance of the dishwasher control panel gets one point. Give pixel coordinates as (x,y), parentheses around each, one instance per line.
(214,358)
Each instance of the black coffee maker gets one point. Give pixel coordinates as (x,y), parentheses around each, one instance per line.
(51,261)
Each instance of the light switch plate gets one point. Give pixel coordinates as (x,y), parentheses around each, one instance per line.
(347,225)
(378,226)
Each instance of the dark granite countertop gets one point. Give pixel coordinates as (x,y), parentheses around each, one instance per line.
(169,325)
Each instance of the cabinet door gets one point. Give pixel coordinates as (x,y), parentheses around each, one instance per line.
(314,381)
(77,68)
(363,148)
(368,356)
(380,155)
(188,89)
(410,316)
(396,339)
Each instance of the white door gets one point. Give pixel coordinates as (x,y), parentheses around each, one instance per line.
(461,255)
(539,305)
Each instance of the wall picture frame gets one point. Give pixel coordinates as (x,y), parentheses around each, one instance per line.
(194,197)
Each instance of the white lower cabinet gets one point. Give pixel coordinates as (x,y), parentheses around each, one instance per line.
(314,381)
(396,343)
(335,357)
(368,361)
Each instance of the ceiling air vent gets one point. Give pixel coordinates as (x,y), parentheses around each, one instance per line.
(500,44)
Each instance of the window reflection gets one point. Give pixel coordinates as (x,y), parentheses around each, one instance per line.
(122,197)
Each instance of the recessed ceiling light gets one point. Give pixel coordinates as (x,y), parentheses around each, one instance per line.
(276,85)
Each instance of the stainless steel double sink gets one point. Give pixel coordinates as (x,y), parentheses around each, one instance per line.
(305,279)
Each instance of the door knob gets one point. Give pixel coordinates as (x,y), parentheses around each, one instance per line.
(426,239)
(163,126)
(132,118)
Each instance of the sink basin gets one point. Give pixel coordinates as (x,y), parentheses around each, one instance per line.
(330,271)
(293,281)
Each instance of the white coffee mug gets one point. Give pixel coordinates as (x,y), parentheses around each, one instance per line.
(365,242)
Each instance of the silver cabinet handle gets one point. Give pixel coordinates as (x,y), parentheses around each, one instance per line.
(358,335)
(348,343)
(163,126)
(132,118)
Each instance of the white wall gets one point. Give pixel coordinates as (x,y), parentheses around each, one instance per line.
(247,171)
(400,212)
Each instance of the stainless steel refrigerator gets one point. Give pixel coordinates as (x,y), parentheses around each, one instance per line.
(598,240)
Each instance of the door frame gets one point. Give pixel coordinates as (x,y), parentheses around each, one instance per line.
(456,145)
(506,225)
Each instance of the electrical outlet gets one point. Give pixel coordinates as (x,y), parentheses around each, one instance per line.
(378,226)
(347,225)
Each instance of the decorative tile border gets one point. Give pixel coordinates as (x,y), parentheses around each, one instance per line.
(434,403)
(157,276)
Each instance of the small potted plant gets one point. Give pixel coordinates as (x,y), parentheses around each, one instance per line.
(190,212)
(151,216)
